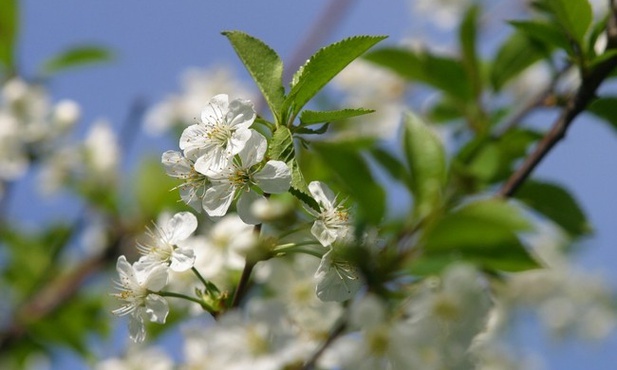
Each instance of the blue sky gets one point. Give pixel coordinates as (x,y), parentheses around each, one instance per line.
(155,41)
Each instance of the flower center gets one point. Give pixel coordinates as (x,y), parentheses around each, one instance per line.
(240,177)
(220,134)
(335,218)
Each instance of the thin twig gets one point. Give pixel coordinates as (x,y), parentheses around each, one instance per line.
(583,97)
(335,333)
(537,101)
(243,284)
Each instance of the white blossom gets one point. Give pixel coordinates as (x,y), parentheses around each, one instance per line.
(240,175)
(163,247)
(151,358)
(337,279)
(367,85)
(221,134)
(260,338)
(102,149)
(332,222)
(380,342)
(138,289)
(193,189)
(197,86)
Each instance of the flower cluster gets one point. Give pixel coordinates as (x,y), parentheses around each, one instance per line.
(140,282)
(30,126)
(223,159)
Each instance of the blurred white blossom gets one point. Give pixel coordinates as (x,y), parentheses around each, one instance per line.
(151,358)
(365,85)
(102,150)
(197,86)
(259,339)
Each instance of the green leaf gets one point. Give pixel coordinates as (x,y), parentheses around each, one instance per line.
(574,16)
(515,55)
(556,203)
(392,165)
(76,56)
(441,72)
(482,233)
(309,117)
(323,66)
(9,26)
(545,32)
(605,108)
(496,211)
(445,111)
(303,130)
(354,174)
(494,159)
(426,159)
(467,36)
(264,65)
(281,148)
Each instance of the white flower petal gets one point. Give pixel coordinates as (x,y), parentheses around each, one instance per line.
(125,270)
(322,194)
(215,109)
(254,150)
(239,140)
(218,198)
(180,227)
(274,177)
(182,259)
(155,278)
(241,114)
(137,329)
(175,164)
(212,162)
(157,308)
(337,281)
(244,207)
(326,236)
(190,196)
(193,141)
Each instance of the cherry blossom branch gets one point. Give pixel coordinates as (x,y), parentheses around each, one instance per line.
(575,105)
(539,100)
(335,333)
(243,284)
(246,276)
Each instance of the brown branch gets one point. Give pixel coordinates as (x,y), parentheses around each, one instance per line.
(335,333)
(539,100)
(585,94)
